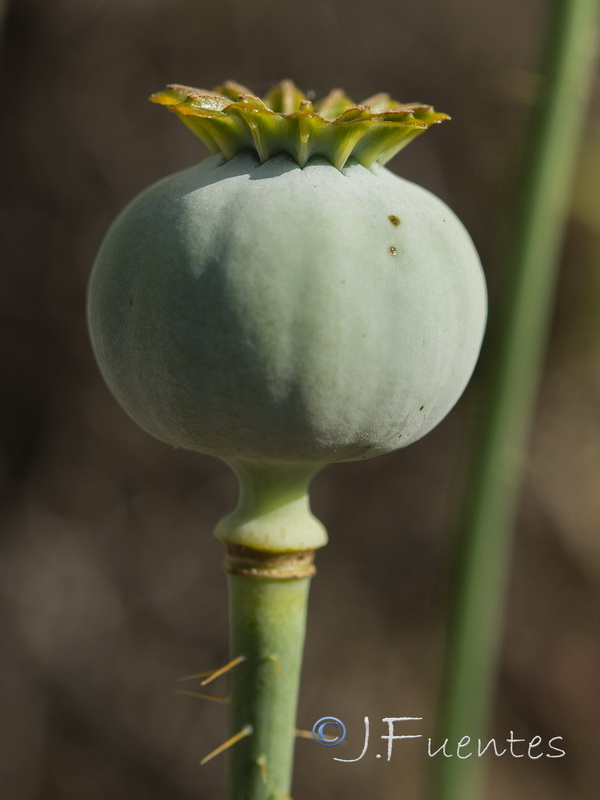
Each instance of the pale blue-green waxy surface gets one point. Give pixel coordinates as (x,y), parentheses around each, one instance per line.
(268,312)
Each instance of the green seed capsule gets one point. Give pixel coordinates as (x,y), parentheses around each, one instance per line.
(270,312)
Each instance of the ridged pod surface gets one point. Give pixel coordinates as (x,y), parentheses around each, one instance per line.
(270,312)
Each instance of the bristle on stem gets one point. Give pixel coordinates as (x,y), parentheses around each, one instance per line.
(276,664)
(218,698)
(222,670)
(246,731)
(261,763)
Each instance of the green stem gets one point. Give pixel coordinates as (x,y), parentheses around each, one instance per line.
(514,360)
(267,629)
(270,537)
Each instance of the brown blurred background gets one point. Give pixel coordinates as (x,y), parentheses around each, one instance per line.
(110,580)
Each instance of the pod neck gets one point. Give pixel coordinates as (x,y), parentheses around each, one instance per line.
(273,511)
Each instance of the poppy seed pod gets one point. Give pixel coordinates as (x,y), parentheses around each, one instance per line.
(275,304)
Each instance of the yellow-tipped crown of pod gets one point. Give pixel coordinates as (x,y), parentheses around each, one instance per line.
(230,120)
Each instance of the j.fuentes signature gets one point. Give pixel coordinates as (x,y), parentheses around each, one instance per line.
(331,731)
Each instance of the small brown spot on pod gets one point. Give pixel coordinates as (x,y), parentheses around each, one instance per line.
(393,251)
(394,219)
